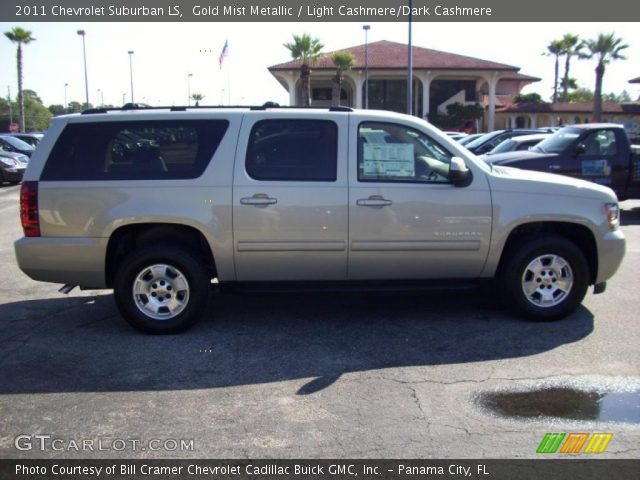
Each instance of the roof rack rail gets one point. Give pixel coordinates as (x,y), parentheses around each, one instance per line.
(183,108)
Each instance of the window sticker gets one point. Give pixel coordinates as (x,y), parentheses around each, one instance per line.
(383,159)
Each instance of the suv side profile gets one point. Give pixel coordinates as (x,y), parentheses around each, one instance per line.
(155,203)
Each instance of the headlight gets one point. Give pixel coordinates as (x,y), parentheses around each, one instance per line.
(613,215)
(8,162)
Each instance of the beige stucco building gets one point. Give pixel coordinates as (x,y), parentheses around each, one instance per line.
(439,79)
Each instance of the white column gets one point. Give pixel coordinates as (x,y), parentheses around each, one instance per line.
(493,82)
(290,79)
(513,121)
(359,83)
(533,119)
(425,79)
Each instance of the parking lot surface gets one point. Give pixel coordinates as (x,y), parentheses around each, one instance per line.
(375,375)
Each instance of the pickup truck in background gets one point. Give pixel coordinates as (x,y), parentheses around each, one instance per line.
(598,152)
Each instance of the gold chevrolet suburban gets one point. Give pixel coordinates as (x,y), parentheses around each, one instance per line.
(155,203)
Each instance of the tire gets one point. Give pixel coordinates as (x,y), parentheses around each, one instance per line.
(544,278)
(161,288)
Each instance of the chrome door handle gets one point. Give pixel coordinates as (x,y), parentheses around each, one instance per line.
(554,167)
(259,199)
(373,201)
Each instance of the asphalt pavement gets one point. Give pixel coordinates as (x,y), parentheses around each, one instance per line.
(302,375)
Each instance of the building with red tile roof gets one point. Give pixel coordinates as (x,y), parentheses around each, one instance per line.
(440,78)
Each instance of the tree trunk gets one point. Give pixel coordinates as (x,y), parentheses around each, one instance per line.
(555,80)
(597,94)
(336,89)
(305,73)
(565,81)
(20,95)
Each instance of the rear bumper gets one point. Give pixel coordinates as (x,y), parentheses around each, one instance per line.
(74,261)
(611,250)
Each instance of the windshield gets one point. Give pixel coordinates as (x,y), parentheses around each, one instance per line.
(17,143)
(483,139)
(557,142)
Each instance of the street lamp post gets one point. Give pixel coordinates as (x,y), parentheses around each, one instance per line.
(189,88)
(86,78)
(98,98)
(366,65)
(124,98)
(65,95)
(131,72)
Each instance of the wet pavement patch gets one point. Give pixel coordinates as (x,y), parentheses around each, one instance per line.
(566,403)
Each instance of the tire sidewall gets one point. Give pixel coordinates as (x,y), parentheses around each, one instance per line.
(183,260)
(523,254)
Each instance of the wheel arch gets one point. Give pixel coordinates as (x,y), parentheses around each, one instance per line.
(133,236)
(576,233)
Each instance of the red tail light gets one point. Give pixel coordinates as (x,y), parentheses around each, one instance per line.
(29,215)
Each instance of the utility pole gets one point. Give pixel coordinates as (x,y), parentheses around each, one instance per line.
(131,72)
(410,66)
(366,65)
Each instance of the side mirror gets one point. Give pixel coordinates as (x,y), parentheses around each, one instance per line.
(580,149)
(459,174)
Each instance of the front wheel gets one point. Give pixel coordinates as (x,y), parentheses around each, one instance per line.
(545,278)
(161,289)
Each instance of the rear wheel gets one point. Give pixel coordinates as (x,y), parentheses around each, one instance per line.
(161,288)
(545,278)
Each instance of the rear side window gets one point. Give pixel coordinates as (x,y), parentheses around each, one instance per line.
(294,150)
(136,150)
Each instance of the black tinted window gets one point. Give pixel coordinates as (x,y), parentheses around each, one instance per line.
(302,150)
(143,150)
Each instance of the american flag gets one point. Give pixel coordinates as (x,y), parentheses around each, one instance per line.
(224,53)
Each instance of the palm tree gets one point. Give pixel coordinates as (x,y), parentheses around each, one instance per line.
(604,49)
(555,49)
(197,97)
(20,36)
(571,46)
(343,61)
(308,50)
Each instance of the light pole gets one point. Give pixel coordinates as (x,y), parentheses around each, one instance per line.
(124,98)
(410,67)
(189,88)
(131,72)
(86,78)
(366,65)
(98,98)
(65,95)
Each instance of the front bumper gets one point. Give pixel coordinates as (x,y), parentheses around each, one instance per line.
(611,250)
(12,176)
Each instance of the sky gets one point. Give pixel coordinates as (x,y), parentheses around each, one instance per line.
(165,53)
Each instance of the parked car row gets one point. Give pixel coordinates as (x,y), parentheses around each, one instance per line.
(15,151)
(600,153)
